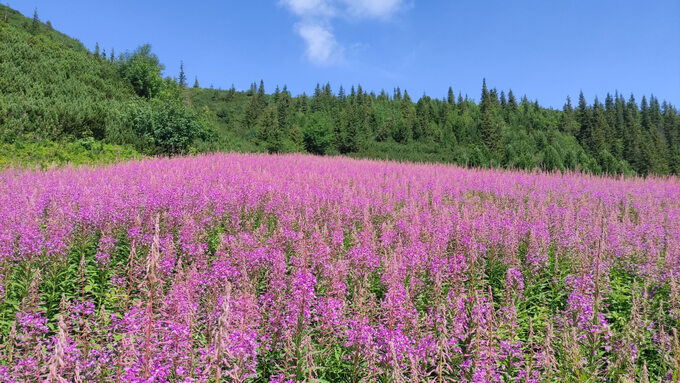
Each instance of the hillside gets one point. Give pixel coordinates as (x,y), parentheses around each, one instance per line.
(63,103)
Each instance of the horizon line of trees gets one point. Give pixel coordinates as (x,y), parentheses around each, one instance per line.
(617,136)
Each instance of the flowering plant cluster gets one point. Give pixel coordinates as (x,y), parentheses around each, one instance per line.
(258,268)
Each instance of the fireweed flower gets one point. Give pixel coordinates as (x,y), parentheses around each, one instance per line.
(241,267)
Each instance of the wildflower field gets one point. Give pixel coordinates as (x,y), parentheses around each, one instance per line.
(286,268)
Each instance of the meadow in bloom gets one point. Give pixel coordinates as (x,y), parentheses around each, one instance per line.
(234,268)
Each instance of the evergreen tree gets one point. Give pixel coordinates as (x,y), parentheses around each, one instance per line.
(583,119)
(35,24)
(182,76)
(269,132)
(451,98)
(632,138)
(512,103)
(96,50)
(196,82)
(597,136)
(404,127)
(568,122)
(283,109)
(490,128)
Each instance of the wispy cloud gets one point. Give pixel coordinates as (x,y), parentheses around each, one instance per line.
(316,17)
(322,48)
(377,9)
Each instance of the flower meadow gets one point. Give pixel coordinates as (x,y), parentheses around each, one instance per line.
(288,268)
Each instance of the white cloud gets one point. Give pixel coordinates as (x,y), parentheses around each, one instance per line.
(307,8)
(316,16)
(378,9)
(322,48)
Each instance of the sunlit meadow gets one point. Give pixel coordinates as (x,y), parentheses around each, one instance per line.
(299,268)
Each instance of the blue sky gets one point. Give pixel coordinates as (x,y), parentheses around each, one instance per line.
(544,49)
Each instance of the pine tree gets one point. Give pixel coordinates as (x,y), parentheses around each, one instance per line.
(96,50)
(269,132)
(451,98)
(644,112)
(277,94)
(255,107)
(283,109)
(597,135)
(196,82)
(512,103)
(408,116)
(583,119)
(35,24)
(490,128)
(397,94)
(632,138)
(182,76)
(113,55)
(484,103)
(261,101)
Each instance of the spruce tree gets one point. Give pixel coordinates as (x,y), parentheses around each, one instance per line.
(269,131)
(632,138)
(182,76)
(512,102)
(255,106)
(490,128)
(568,122)
(35,24)
(597,135)
(196,82)
(283,109)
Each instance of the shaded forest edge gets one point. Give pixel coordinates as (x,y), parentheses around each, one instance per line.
(62,103)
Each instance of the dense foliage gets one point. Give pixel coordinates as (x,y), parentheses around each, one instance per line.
(617,136)
(54,91)
(300,268)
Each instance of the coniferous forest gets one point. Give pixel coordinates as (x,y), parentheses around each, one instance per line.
(62,102)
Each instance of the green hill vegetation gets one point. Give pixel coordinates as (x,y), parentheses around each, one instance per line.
(62,103)
(616,136)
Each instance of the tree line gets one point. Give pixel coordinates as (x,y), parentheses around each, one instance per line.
(617,136)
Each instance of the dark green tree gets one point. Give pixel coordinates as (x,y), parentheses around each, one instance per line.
(35,23)
(182,76)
